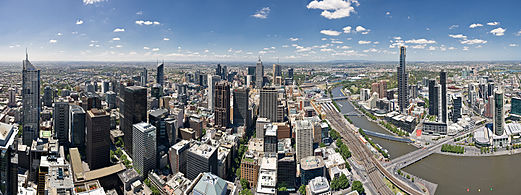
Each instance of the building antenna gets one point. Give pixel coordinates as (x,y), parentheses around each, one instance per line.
(26,54)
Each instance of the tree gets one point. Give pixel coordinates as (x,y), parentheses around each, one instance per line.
(245,184)
(340,183)
(302,189)
(246,192)
(358,186)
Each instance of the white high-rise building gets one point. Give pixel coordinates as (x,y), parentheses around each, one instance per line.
(144,148)
(304,139)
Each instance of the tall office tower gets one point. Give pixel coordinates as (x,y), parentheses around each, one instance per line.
(91,100)
(433,98)
(61,121)
(156,91)
(456,108)
(443,83)
(304,139)
(157,118)
(470,95)
(290,73)
(133,109)
(8,134)
(268,103)
(276,70)
(382,89)
(177,156)
(251,72)
(144,146)
(218,70)
(201,158)
(12,97)
(97,137)
(224,73)
(47,96)
(144,77)
(222,104)
(30,101)
(160,77)
(212,80)
(259,75)
(490,89)
(77,126)
(270,139)
(403,99)
(110,97)
(241,115)
(499,118)
(105,86)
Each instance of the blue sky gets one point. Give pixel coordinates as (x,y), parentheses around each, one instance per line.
(242,30)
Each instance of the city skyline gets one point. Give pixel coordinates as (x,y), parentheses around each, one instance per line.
(292,31)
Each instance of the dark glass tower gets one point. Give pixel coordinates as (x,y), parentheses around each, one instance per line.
(403,100)
(433,98)
(31,101)
(160,78)
(133,110)
(443,83)
(222,104)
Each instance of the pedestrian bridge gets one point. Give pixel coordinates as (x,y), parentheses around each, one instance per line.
(388,137)
(339,98)
(354,114)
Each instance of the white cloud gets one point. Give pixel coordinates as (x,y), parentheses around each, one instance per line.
(262,13)
(493,23)
(53,41)
(363,42)
(347,29)
(370,50)
(293,39)
(376,42)
(166,39)
(327,50)
(345,47)
(387,13)
(513,45)
(419,46)
(90,2)
(337,42)
(146,48)
(330,32)
(119,46)
(91,45)
(362,30)
(465,48)
(323,39)
(79,21)
(334,9)
(453,26)
(119,30)
(458,36)
(452,48)
(139,13)
(59,34)
(397,38)
(475,25)
(285,46)
(147,22)
(432,48)
(473,41)
(155,49)
(498,31)
(116,39)
(420,41)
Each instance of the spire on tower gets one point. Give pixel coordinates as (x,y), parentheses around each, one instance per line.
(26,54)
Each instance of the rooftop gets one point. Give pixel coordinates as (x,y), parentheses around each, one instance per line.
(204,150)
(7,133)
(311,162)
(210,184)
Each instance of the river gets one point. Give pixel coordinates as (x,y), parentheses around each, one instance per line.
(454,175)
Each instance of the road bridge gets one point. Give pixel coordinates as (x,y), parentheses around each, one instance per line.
(387,136)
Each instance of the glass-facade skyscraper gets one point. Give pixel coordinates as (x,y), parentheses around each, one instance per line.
(31,101)
(403,100)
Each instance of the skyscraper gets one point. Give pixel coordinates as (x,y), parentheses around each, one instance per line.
(7,136)
(144,77)
(259,75)
(456,108)
(77,126)
(144,146)
(133,110)
(241,115)
(30,101)
(499,118)
(12,97)
(201,158)
(105,86)
(160,78)
(61,121)
(276,70)
(222,104)
(268,104)
(403,100)
(98,143)
(47,96)
(433,98)
(304,139)
(212,80)
(443,83)
(290,73)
